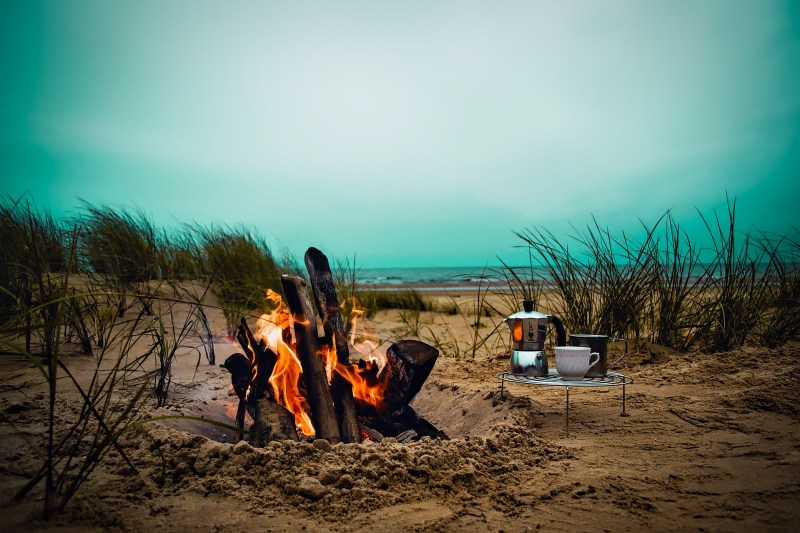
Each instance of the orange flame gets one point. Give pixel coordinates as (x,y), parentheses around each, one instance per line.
(369,379)
(276,330)
(368,383)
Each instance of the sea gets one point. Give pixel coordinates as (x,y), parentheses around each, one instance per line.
(463,278)
(428,278)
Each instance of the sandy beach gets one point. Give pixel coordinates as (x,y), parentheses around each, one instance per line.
(710,443)
(272,266)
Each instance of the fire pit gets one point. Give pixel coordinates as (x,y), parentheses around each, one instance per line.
(295,383)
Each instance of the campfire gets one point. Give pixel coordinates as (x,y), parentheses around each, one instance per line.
(297,383)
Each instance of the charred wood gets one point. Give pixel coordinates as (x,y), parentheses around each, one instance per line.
(260,355)
(373,434)
(400,421)
(241,370)
(407,436)
(323,415)
(271,421)
(324,289)
(410,363)
(256,356)
(410,418)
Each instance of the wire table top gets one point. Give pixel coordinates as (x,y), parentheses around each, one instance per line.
(612,379)
(553,379)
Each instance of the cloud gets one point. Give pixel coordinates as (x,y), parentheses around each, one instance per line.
(548,108)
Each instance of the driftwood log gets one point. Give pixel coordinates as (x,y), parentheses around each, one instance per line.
(322,284)
(271,421)
(410,363)
(323,415)
(241,371)
(260,355)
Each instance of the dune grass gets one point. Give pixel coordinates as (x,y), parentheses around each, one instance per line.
(124,246)
(664,288)
(780,321)
(606,288)
(520,283)
(241,265)
(120,243)
(735,295)
(112,396)
(674,316)
(408,299)
(58,284)
(32,253)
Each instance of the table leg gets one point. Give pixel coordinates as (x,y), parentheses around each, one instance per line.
(567,412)
(623,413)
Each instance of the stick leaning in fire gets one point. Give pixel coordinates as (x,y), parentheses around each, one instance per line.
(323,415)
(322,284)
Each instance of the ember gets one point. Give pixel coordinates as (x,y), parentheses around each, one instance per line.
(291,380)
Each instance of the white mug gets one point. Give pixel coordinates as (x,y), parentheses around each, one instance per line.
(574,362)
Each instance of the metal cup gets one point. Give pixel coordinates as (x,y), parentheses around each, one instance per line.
(599,344)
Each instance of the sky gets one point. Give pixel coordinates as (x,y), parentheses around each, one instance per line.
(406,133)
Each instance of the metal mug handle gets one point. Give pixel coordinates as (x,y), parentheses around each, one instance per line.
(596,359)
(616,339)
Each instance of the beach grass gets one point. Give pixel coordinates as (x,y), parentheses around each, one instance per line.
(65,280)
(241,265)
(662,287)
(33,252)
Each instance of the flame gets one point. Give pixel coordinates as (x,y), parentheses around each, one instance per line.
(366,347)
(276,330)
(370,377)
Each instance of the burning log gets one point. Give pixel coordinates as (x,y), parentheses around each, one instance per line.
(271,421)
(322,284)
(409,363)
(371,433)
(250,372)
(261,357)
(319,398)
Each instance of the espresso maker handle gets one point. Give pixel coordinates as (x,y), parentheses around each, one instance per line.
(614,339)
(561,335)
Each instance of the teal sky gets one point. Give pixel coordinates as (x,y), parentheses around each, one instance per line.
(409,133)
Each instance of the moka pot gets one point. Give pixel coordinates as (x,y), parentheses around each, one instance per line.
(528,333)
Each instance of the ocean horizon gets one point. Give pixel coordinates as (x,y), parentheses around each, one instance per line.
(433,278)
(428,275)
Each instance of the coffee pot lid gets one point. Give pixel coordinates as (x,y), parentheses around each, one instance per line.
(527,314)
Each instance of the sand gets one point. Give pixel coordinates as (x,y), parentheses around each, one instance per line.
(711,442)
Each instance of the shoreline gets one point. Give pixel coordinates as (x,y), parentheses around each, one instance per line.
(436,289)
(428,287)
